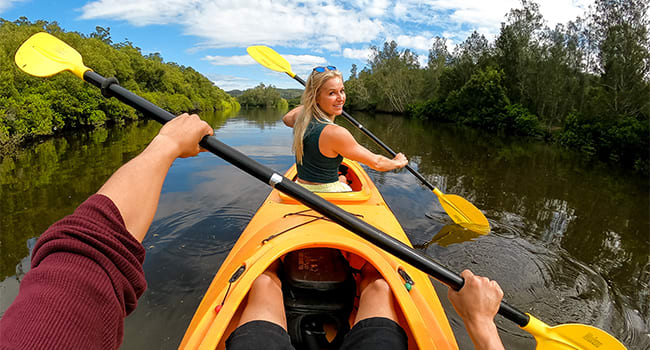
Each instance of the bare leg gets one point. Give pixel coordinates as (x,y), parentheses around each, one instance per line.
(265,301)
(376,297)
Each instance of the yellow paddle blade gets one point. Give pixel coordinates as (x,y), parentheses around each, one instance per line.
(44,55)
(571,336)
(463,212)
(270,59)
(454,233)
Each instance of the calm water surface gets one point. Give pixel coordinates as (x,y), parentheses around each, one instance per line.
(570,241)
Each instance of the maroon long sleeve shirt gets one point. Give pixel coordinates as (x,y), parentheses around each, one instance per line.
(86,277)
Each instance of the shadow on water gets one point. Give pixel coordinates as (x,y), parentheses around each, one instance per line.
(569,240)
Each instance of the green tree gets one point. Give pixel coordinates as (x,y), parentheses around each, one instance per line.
(260,96)
(438,59)
(621,28)
(516,48)
(33,107)
(396,80)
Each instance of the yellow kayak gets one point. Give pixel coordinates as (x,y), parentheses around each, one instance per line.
(284,228)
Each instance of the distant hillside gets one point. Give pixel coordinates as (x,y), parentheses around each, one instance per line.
(290,93)
(284,93)
(235,93)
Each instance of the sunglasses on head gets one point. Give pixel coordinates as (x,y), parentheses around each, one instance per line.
(323,69)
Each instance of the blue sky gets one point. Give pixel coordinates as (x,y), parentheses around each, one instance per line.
(212,35)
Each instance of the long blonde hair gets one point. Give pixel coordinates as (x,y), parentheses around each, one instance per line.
(310,108)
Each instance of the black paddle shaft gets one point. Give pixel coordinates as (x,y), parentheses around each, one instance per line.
(377,141)
(311,200)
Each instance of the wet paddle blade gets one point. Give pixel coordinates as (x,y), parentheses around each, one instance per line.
(571,336)
(463,212)
(270,59)
(453,234)
(44,55)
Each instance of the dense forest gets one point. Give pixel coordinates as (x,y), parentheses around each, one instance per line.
(584,85)
(284,93)
(32,107)
(264,96)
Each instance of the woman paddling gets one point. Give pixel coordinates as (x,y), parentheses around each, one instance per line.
(319,144)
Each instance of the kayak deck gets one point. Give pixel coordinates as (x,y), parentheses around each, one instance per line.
(282,225)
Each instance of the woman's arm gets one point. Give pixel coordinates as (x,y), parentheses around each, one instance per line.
(477,303)
(290,118)
(335,140)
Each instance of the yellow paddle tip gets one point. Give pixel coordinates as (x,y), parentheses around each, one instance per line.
(44,55)
(270,59)
(571,336)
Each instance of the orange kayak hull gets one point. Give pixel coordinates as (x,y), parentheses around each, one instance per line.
(282,225)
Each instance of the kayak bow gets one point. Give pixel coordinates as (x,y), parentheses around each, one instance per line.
(283,225)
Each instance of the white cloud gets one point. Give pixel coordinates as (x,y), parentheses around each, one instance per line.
(461,17)
(304,63)
(332,46)
(325,25)
(562,11)
(140,12)
(228,23)
(229,82)
(400,10)
(423,60)
(357,54)
(6,4)
(374,8)
(244,60)
(416,43)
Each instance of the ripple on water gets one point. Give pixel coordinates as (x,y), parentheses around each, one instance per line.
(187,248)
(546,283)
(197,233)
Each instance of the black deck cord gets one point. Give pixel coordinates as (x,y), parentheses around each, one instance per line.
(235,276)
(301,213)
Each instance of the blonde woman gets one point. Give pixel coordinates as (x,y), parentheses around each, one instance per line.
(319,144)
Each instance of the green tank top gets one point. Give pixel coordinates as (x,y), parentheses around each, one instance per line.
(315,166)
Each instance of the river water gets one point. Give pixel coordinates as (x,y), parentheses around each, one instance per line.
(570,240)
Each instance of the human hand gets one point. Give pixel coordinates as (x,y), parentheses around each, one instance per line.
(183,134)
(479,299)
(400,160)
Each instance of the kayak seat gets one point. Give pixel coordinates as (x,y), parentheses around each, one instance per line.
(353,179)
(319,291)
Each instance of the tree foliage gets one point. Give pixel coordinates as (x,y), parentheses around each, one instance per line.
(262,96)
(584,84)
(387,84)
(31,107)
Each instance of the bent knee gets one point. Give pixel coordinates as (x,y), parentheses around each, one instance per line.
(267,280)
(378,286)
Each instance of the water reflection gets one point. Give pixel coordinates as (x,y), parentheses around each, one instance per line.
(582,221)
(569,241)
(47,181)
(447,235)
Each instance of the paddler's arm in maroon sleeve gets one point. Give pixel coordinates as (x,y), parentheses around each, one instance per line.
(477,303)
(135,187)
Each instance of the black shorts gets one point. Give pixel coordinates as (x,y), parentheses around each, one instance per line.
(371,333)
